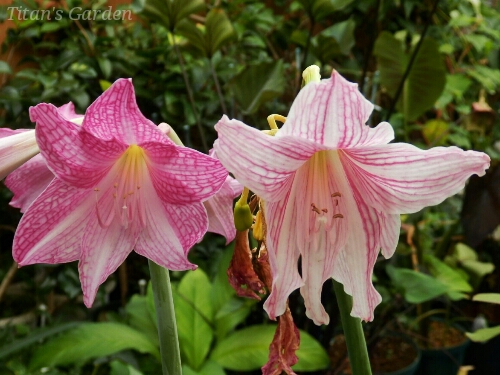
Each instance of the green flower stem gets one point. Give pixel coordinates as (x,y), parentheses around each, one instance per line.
(353,332)
(167,327)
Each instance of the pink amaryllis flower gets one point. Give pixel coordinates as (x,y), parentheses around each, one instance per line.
(120,185)
(334,189)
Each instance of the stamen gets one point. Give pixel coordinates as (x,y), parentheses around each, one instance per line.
(338,216)
(315,209)
(336,194)
(325,210)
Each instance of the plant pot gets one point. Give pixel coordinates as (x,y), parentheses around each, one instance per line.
(391,349)
(443,361)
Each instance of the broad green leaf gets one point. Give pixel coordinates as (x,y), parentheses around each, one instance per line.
(120,368)
(222,291)
(105,66)
(320,9)
(168,12)
(456,85)
(426,79)
(487,297)
(248,349)
(435,132)
(447,275)
(5,68)
(209,368)
(488,77)
(417,287)
(91,340)
(34,338)
(231,314)
(467,258)
(218,29)
(483,334)
(258,84)
(343,32)
(141,319)
(194,314)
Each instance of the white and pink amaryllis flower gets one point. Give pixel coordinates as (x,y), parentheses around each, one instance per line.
(120,185)
(334,189)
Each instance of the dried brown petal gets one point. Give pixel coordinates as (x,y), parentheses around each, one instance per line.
(282,350)
(241,272)
(263,268)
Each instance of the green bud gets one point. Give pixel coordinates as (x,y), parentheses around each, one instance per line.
(243,218)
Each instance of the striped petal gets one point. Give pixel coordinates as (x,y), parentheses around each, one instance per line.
(28,181)
(400,178)
(16,148)
(333,113)
(115,115)
(263,163)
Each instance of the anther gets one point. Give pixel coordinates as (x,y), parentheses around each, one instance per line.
(96,189)
(336,194)
(338,216)
(315,209)
(325,210)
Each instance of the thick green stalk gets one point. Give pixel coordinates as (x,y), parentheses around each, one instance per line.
(353,332)
(167,327)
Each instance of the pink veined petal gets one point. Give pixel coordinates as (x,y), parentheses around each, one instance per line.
(73,155)
(353,266)
(283,254)
(390,225)
(51,229)
(333,113)
(68,112)
(220,211)
(235,186)
(400,178)
(16,149)
(310,224)
(115,115)
(103,250)
(261,162)
(170,231)
(182,175)
(28,181)
(326,232)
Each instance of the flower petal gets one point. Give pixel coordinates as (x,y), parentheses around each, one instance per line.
(182,175)
(28,181)
(333,113)
(353,266)
(51,229)
(390,225)
(283,254)
(115,115)
(170,231)
(16,148)
(261,162)
(73,155)
(103,250)
(400,178)
(68,112)
(220,209)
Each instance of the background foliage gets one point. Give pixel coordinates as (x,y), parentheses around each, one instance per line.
(430,67)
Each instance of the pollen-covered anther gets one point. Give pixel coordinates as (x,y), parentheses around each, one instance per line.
(338,216)
(315,209)
(336,194)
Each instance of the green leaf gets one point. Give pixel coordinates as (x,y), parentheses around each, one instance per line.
(248,349)
(141,319)
(120,368)
(312,356)
(5,68)
(218,29)
(343,32)
(222,291)
(488,77)
(426,79)
(483,334)
(105,66)
(468,259)
(209,368)
(435,132)
(487,297)
(91,340)
(447,275)
(168,12)
(320,9)
(417,287)
(34,338)
(104,84)
(194,314)
(231,314)
(258,84)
